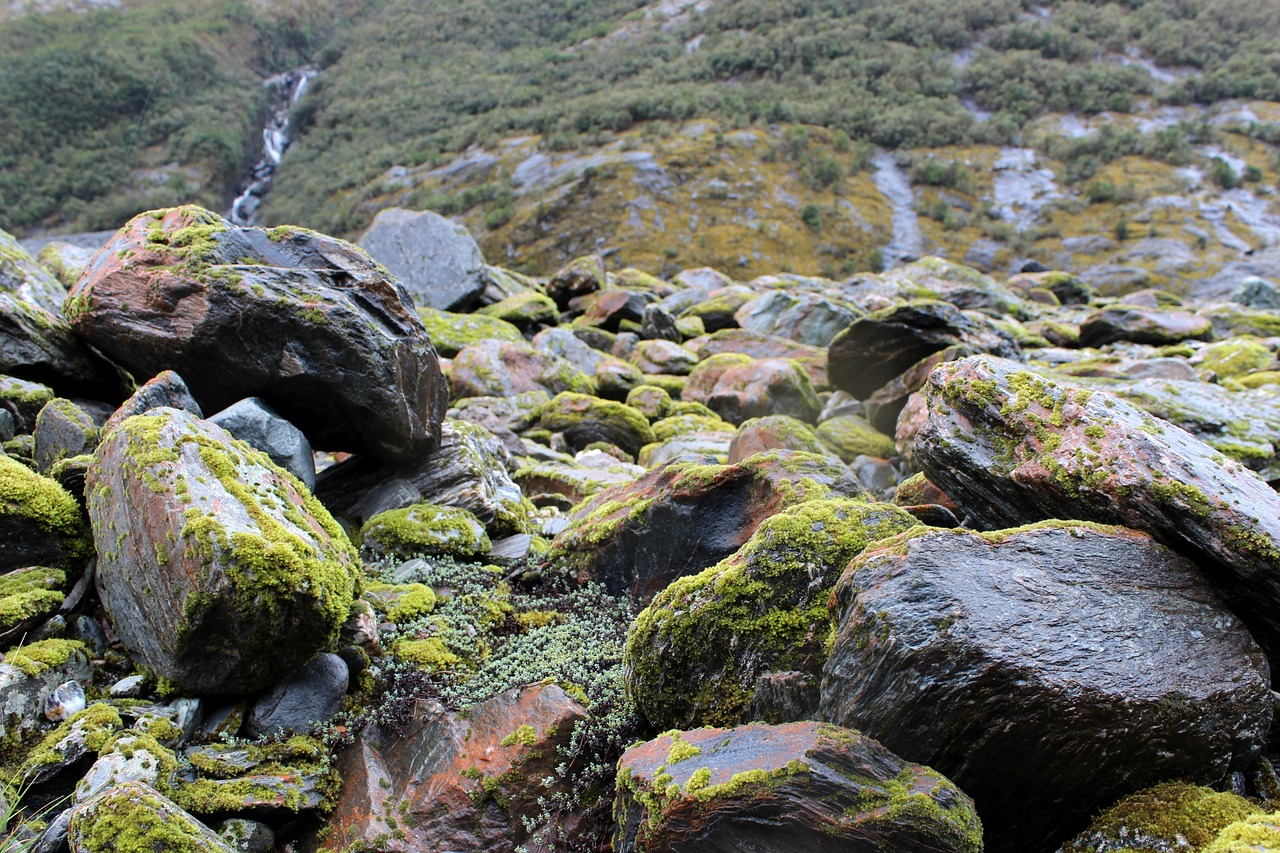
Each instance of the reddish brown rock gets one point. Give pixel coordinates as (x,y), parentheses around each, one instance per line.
(454,781)
(738,390)
(1013,447)
(309,323)
(681,518)
(774,432)
(608,308)
(759,345)
(794,788)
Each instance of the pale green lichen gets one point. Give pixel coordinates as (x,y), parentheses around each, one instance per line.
(38,658)
(1172,815)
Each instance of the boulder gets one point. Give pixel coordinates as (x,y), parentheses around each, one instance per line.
(436,259)
(165,389)
(577,278)
(28,675)
(526,310)
(773,432)
(612,375)
(880,346)
(208,553)
(454,781)
(41,524)
(424,529)
(451,333)
(850,436)
(65,261)
(40,347)
(801,317)
(959,285)
(797,787)
(663,356)
(135,816)
(23,400)
(22,277)
(254,422)
(1013,447)
(766,607)
(741,390)
(1141,325)
(63,430)
(1047,670)
(310,696)
(309,323)
(681,518)
(717,308)
(585,419)
(468,470)
(608,309)
(507,368)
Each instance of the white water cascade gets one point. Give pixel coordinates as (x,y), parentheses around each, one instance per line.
(285,90)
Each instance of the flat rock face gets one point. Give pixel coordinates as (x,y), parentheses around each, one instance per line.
(1047,671)
(436,259)
(454,781)
(1012,447)
(880,346)
(803,318)
(307,322)
(767,386)
(208,554)
(683,517)
(796,788)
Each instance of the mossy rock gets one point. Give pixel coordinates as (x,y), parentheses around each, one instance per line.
(135,818)
(774,432)
(651,401)
(1259,833)
(677,425)
(1235,358)
(1172,816)
(25,399)
(766,606)
(30,594)
(40,522)
(527,309)
(851,436)
(425,529)
(450,332)
(585,419)
(400,602)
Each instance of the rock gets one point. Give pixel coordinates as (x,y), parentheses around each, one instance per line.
(1098,658)
(28,675)
(392,495)
(766,607)
(1256,832)
(677,520)
(1254,292)
(613,376)
(29,596)
(956,284)
(801,317)
(40,522)
(1171,816)
(65,261)
(308,697)
(134,816)
(1012,447)
(1143,326)
(468,470)
(650,400)
(23,400)
(254,422)
(40,347)
(694,446)
(773,432)
(1068,287)
(802,786)
(453,781)
(63,430)
(880,346)
(451,333)
(166,389)
(608,309)
(741,391)
(435,258)
(663,356)
(208,554)
(507,368)
(584,420)
(524,310)
(574,482)
(247,836)
(320,331)
(130,759)
(424,529)
(274,781)
(717,308)
(576,278)
(129,687)
(21,276)
(657,324)
(850,436)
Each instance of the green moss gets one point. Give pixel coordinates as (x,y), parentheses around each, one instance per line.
(851,436)
(28,593)
(677,425)
(1172,815)
(96,724)
(401,602)
(524,309)
(523,736)
(650,400)
(681,750)
(426,529)
(134,819)
(450,332)
(44,503)
(1259,833)
(45,655)
(431,654)
(1235,357)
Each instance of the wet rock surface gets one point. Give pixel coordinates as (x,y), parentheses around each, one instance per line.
(1047,670)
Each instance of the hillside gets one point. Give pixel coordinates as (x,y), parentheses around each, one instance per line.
(1137,140)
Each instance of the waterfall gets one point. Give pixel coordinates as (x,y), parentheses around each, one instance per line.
(285,90)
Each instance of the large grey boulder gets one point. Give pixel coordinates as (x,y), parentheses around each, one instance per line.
(307,322)
(254,421)
(436,259)
(1047,670)
(1013,447)
(209,554)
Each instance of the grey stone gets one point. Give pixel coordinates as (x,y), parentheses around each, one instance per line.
(63,430)
(397,494)
(254,421)
(165,389)
(435,258)
(311,695)
(129,687)
(8,425)
(247,836)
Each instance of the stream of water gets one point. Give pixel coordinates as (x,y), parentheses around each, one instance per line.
(285,90)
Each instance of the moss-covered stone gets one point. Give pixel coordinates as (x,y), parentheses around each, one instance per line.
(450,332)
(851,436)
(400,602)
(650,400)
(526,309)
(767,605)
(28,594)
(676,425)
(1172,816)
(430,654)
(425,529)
(135,818)
(1259,833)
(36,507)
(1235,358)
(40,657)
(585,419)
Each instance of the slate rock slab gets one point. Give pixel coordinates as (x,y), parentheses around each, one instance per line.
(1048,670)
(208,554)
(307,322)
(1012,447)
(796,788)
